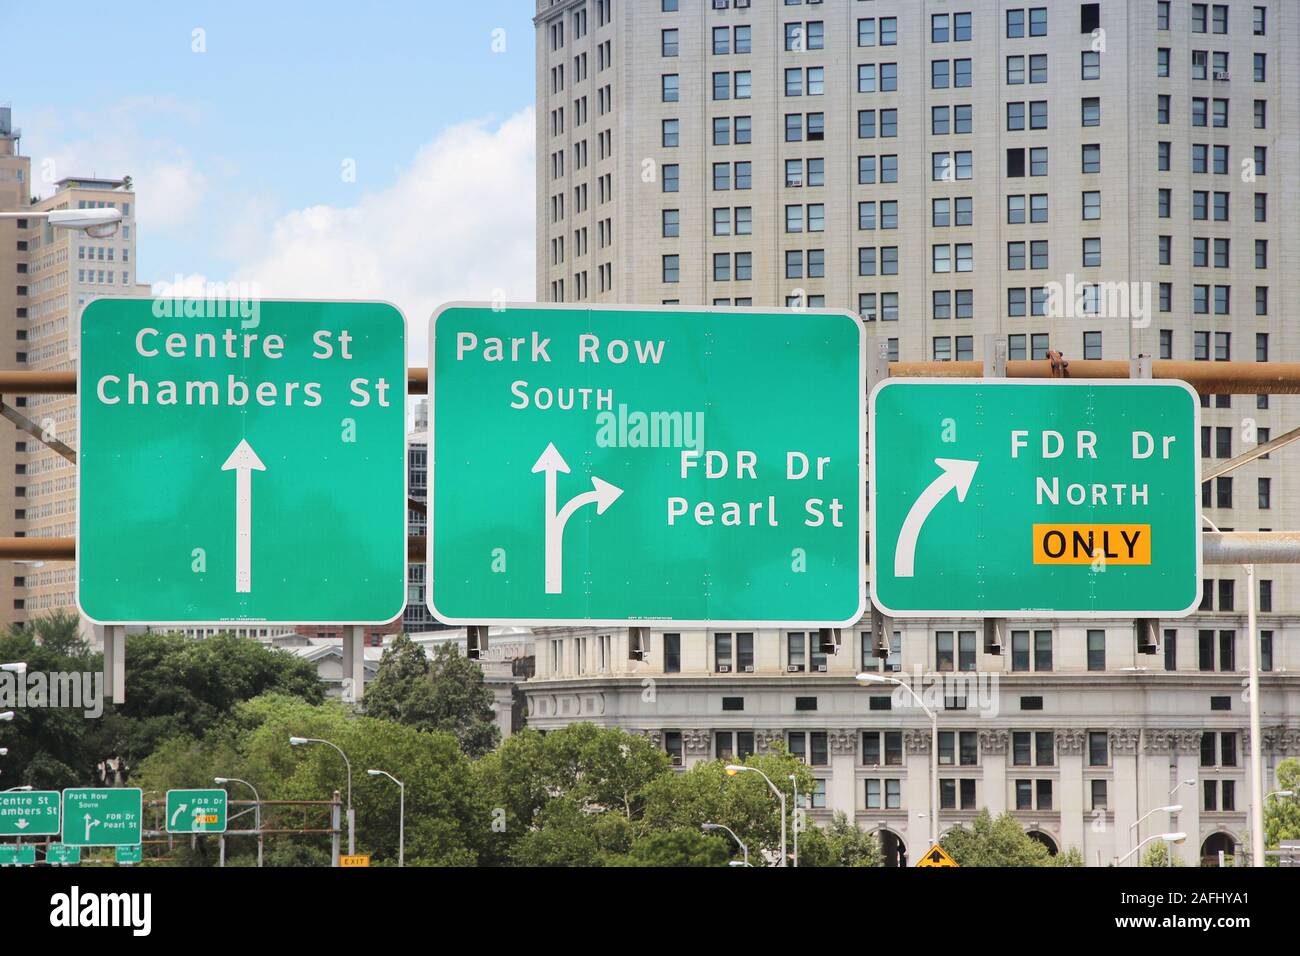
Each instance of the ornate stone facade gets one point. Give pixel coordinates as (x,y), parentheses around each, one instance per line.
(994,742)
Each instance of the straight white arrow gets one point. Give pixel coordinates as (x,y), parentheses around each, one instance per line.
(243,461)
(957,476)
(90,823)
(602,496)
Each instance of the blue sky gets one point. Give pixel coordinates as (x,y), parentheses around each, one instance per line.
(229,145)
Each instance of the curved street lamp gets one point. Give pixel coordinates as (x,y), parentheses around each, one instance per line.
(401,814)
(739,842)
(867,677)
(257,809)
(735,768)
(352,836)
(97,223)
(1167,837)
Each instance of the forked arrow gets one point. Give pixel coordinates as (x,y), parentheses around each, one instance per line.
(243,461)
(551,463)
(957,476)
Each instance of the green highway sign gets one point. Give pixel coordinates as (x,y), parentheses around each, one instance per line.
(60,854)
(128,855)
(1001,498)
(29,813)
(196,811)
(241,462)
(103,817)
(635,465)
(12,854)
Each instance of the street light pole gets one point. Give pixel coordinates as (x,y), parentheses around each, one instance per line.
(735,768)
(741,843)
(1133,827)
(401,813)
(257,809)
(794,818)
(97,223)
(352,818)
(866,677)
(1256,745)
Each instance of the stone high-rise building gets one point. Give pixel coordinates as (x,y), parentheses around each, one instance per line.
(937,167)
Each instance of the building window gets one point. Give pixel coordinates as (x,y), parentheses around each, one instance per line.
(672,653)
(1096,650)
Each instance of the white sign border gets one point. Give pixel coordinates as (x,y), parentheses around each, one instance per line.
(1040,614)
(235,622)
(657,622)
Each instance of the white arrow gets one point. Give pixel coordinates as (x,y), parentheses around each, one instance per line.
(21,823)
(90,823)
(179,811)
(243,461)
(602,496)
(957,475)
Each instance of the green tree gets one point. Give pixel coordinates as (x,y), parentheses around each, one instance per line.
(1282,814)
(990,841)
(1157,854)
(444,694)
(448,818)
(679,848)
(570,833)
(1071,857)
(592,772)
(706,793)
(838,843)
(49,747)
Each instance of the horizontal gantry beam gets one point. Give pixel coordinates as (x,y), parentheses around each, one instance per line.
(1228,547)
(1211,378)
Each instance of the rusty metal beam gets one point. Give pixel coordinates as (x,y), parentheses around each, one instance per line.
(1236,378)
(1208,378)
(1228,547)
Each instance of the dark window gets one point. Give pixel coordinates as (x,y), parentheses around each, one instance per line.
(880,702)
(1089,17)
(733,703)
(672,654)
(1031,703)
(805,703)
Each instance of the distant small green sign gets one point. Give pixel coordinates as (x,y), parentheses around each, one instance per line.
(60,854)
(196,811)
(15,855)
(128,855)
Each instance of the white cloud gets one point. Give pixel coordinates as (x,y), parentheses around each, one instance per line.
(457,224)
(111,144)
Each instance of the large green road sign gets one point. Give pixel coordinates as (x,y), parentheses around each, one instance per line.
(638,465)
(105,817)
(29,813)
(196,811)
(1005,498)
(241,461)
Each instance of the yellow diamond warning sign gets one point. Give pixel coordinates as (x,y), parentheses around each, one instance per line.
(936,856)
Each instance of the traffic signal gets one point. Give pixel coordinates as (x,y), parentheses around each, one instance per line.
(476,641)
(638,643)
(1148,635)
(993,627)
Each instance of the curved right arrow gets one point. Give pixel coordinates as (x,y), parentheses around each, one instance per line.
(957,476)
